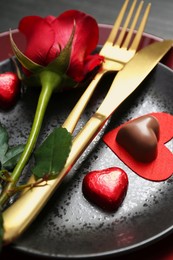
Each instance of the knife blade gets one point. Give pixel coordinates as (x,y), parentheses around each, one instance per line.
(19,215)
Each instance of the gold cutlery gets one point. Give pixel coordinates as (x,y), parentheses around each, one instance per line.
(19,215)
(118,49)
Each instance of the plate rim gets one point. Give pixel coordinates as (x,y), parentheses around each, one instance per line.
(145,243)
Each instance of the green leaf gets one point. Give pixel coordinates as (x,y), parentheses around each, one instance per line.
(3,141)
(51,156)
(12,156)
(25,61)
(1,229)
(61,63)
(8,155)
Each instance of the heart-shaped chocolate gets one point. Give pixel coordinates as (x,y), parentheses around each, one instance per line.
(106,188)
(9,89)
(157,170)
(140,138)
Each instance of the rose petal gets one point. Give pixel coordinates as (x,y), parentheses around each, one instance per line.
(40,37)
(47,36)
(84,42)
(92,61)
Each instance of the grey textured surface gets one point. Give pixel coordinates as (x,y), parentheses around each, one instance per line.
(160,22)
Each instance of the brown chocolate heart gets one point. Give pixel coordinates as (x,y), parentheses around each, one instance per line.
(140,138)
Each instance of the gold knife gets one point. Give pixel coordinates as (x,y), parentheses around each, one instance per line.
(19,215)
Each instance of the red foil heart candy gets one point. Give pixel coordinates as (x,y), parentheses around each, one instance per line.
(106,188)
(140,138)
(9,89)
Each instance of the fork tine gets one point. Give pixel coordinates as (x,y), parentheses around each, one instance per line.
(131,30)
(117,23)
(140,30)
(126,23)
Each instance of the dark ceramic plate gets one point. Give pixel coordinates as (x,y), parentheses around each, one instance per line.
(69,226)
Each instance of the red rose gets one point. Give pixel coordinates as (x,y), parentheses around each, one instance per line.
(46,37)
(58,55)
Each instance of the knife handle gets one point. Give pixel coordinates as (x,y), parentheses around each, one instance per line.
(21,213)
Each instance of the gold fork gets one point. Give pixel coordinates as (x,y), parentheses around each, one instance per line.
(117,51)
(19,217)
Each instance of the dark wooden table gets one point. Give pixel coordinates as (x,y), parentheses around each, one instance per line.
(160,23)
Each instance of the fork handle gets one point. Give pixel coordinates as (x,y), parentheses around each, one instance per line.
(73,117)
(21,213)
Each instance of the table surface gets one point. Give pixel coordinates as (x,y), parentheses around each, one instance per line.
(160,23)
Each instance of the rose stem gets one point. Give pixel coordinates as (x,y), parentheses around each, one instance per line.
(49,81)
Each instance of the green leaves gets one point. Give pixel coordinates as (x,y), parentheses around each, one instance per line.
(12,156)
(8,155)
(51,156)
